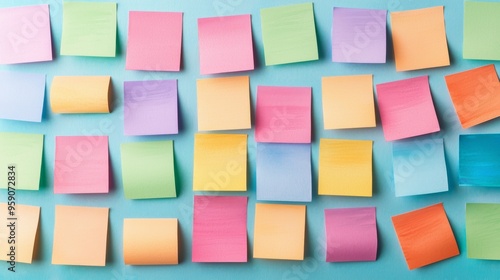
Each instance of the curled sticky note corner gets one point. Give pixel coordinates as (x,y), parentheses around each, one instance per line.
(80,94)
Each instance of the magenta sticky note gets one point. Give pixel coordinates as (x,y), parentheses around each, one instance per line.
(22,96)
(81,164)
(225,44)
(351,234)
(283,114)
(220,229)
(406,108)
(150,107)
(154,41)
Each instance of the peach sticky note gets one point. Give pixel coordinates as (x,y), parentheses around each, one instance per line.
(220,162)
(419,38)
(80,235)
(224,103)
(279,231)
(348,102)
(80,94)
(425,236)
(150,241)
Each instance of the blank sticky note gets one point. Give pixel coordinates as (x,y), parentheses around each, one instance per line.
(220,229)
(348,102)
(224,103)
(81,164)
(154,41)
(283,114)
(359,35)
(220,162)
(406,108)
(345,167)
(479,160)
(419,38)
(24,152)
(22,96)
(289,34)
(80,235)
(148,169)
(482,222)
(284,172)
(425,236)
(225,44)
(480,22)
(351,234)
(150,107)
(26,34)
(150,241)
(279,231)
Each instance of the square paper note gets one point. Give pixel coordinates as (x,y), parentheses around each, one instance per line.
(480,28)
(482,221)
(22,96)
(479,160)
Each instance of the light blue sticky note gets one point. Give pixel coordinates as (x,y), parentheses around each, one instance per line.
(21,96)
(479,160)
(284,172)
(419,167)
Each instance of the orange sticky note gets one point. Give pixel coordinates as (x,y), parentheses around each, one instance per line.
(80,94)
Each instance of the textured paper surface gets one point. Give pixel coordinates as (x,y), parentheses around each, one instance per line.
(482,221)
(480,22)
(478,160)
(22,96)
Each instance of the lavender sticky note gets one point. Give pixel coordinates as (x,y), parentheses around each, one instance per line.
(21,96)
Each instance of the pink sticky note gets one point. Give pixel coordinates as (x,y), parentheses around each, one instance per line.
(283,114)
(81,165)
(406,108)
(154,41)
(225,44)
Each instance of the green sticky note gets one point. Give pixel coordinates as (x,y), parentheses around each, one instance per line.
(481,21)
(482,221)
(289,34)
(24,152)
(89,29)
(148,169)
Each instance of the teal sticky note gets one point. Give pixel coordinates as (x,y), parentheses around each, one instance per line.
(479,160)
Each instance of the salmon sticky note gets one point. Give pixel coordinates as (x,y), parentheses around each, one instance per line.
(425,236)
(406,108)
(158,245)
(419,39)
(482,222)
(478,161)
(480,22)
(220,229)
(22,96)
(80,235)
(279,231)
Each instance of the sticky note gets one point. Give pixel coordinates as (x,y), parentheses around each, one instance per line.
(289,34)
(283,114)
(419,38)
(220,162)
(223,103)
(24,151)
(279,231)
(480,22)
(475,94)
(351,234)
(25,228)
(26,34)
(425,236)
(150,107)
(148,169)
(154,41)
(80,94)
(482,222)
(419,167)
(80,235)
(284,172)
(478,160)
(406,108)
(220,229)
(348,102)
(345,167)
(150,241)
(359,35)
(22,96)
(225,44)
(81,164)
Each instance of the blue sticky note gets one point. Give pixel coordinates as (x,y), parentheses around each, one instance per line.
(21,96)
(479,160)
(284,172)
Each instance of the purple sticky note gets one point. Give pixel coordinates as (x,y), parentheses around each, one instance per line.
(21,96)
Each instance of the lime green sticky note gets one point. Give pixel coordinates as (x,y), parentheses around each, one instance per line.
(23,152)
(89,29)
(482,222)
(481,21)
(148,169)
(289,34)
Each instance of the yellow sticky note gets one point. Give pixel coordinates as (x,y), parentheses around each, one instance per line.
(150,241)
(348,102)
(345,167)
(80,94)
(220,162)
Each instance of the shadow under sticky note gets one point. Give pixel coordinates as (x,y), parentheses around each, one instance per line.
(480,28)
(22,96)
(478,161)
(482,221)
